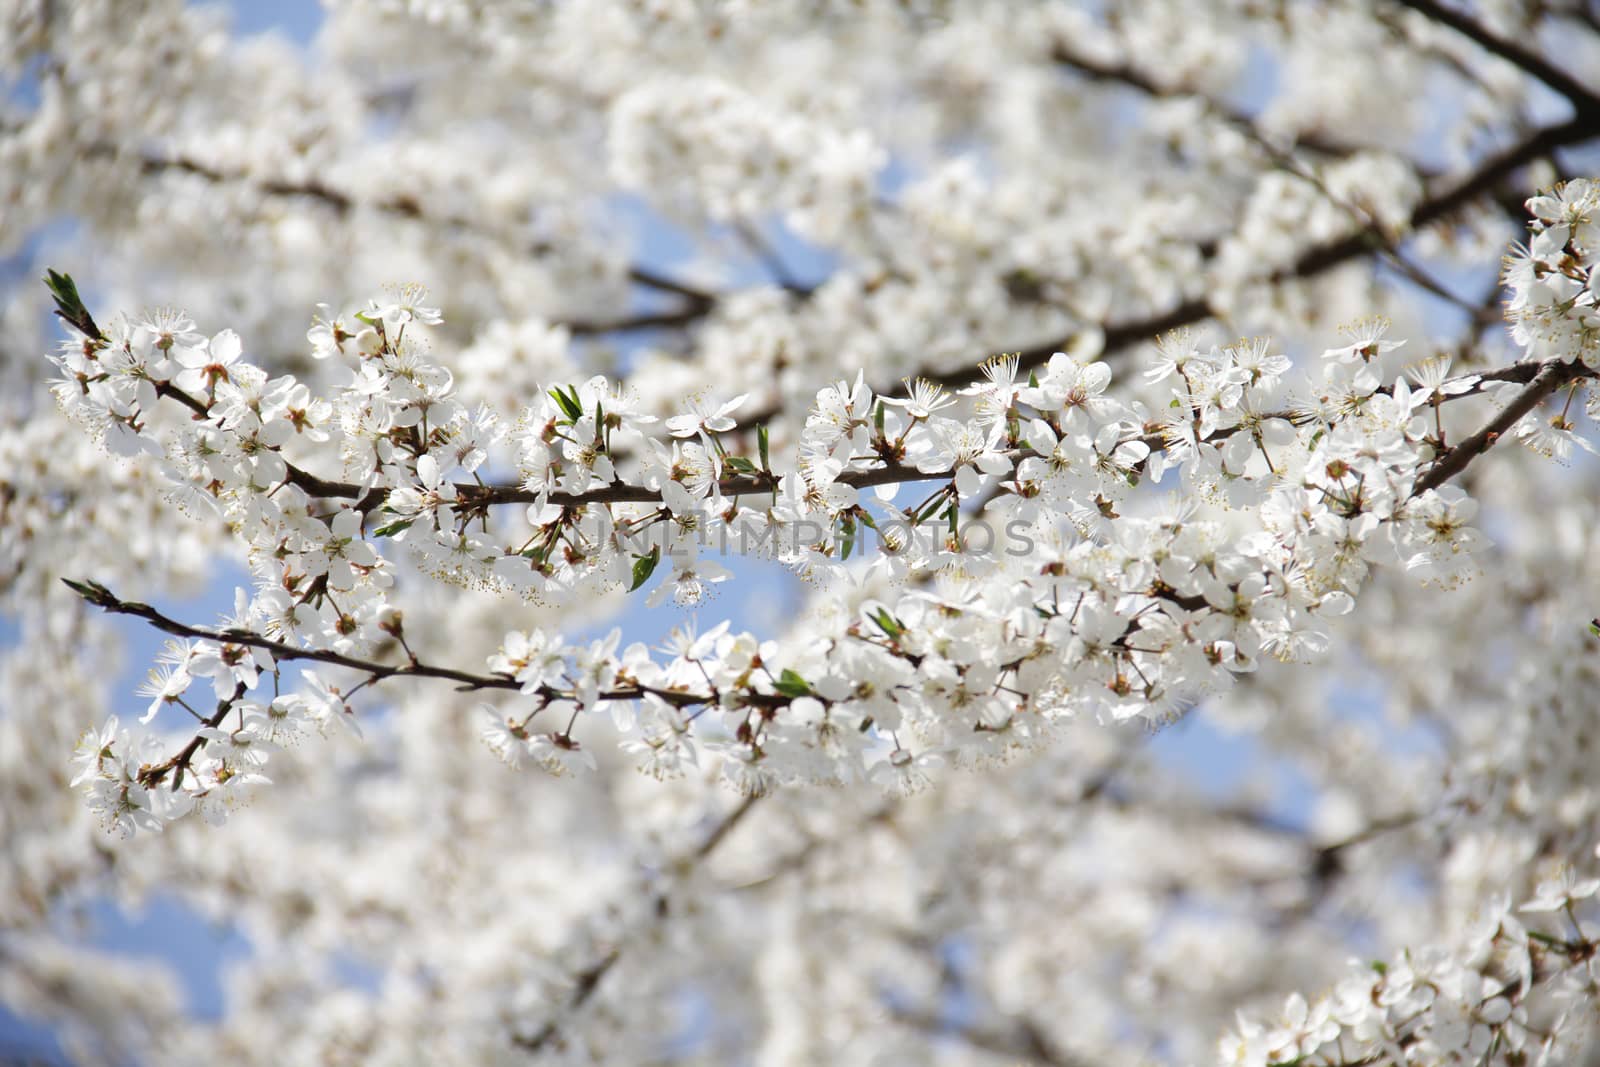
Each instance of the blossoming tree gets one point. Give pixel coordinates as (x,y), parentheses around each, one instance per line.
(1048,507)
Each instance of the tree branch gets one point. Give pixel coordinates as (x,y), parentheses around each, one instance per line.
(1585,100)
(1126,74)
(101,597)
(1322,258)
(179,764)
(1550,376)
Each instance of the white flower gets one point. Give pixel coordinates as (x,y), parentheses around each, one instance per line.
(1436,529)
(1567,888)
(903,774)
(95,752)
(505,735)
(206,365)
(703,419)
(227,665)
(166,684)
(1367,342)
(1433,378)
(536,660)
(244,748)
(690,582)
(405,307)
(923,398)
(559,754)
(324,703)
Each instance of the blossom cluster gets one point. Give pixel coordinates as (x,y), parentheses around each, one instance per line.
(1552,289)
(1123,605)
(1510,992)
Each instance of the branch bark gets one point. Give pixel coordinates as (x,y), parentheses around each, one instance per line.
(1551,375)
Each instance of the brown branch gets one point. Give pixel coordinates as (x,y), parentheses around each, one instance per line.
(1581,11)
(720,832)
(1579,95)
(179,764)
(652,280)
(1317,260)
(1324,257)
(101,597)
(1550,376)
(472,495)
(475,496)
(647,320)
(1246,126)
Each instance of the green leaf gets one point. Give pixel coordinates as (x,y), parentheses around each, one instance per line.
(792,685)
(740,464)
(64,289)
(393,528)
(1594,627)
(69,305)
(877,418)
(848,538)
(644,566)
(762,445)
(923,515)
(569,405)
(888,623)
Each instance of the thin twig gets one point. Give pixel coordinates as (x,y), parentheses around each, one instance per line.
(101,597)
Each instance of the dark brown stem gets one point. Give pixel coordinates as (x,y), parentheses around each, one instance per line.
(179,764)
(475,495)
(101,597)
(1549,376)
